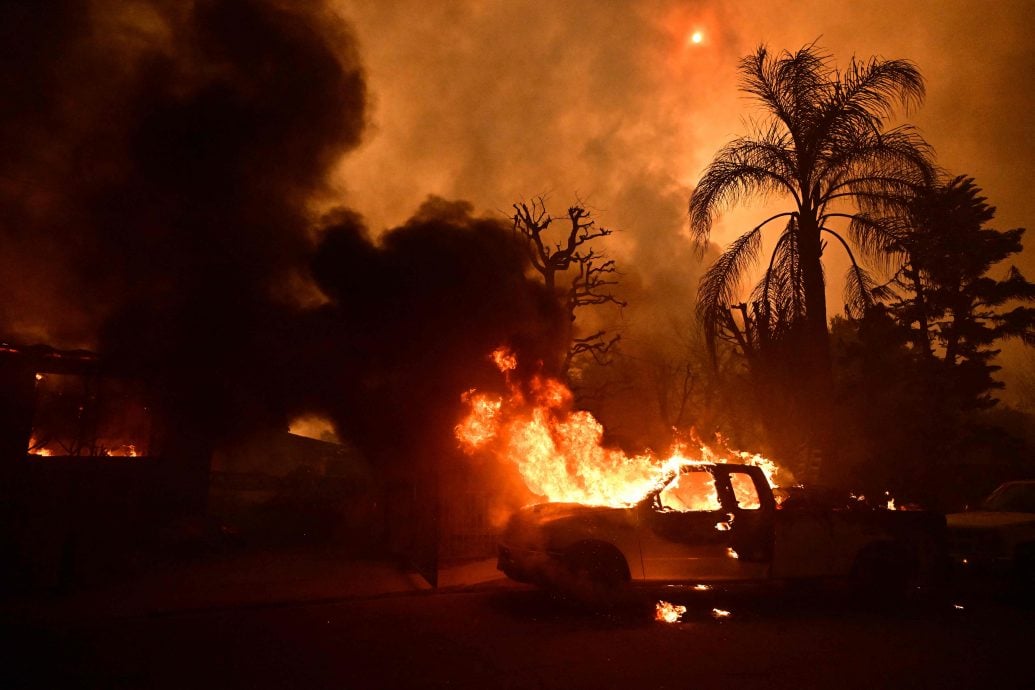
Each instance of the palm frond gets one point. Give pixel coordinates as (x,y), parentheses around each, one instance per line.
(878,238)
(803,76)
(861,291)
(721,283)
(786,83)
(779,298)
(868,93)
(743,167)
(897,159)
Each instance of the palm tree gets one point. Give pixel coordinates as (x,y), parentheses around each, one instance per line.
(822,144)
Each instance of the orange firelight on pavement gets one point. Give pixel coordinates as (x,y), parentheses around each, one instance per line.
(665,612)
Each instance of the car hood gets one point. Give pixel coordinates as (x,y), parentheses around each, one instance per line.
(543,524)
(545,513)
(987,519)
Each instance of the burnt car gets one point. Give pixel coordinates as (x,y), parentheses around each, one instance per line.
(707,523)
(998,538)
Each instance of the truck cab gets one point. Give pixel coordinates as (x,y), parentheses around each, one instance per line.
(708,522)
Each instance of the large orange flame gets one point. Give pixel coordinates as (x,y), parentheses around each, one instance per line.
(559,452)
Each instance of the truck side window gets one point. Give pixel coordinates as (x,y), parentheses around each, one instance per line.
(689,491)
(744,491)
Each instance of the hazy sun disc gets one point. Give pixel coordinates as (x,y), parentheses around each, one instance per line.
(696,37)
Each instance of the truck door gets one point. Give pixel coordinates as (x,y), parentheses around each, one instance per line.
(748,501)
(685,533)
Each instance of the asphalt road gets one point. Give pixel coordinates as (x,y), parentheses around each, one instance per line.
(509,636)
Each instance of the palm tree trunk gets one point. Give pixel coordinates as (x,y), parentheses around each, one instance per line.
(817,338)
(818,373)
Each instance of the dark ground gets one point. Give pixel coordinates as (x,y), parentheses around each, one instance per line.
(503,635)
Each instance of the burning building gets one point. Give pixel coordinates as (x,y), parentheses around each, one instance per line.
(85,473)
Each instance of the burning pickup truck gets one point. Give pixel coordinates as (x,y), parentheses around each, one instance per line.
(713,522)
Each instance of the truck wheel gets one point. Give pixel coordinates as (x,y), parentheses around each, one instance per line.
(1024,563)
(1024,573)
(596,575)
(884,569)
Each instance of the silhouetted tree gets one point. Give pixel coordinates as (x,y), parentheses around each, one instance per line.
(594,273)
(823,144)
(916,375)
(952,309)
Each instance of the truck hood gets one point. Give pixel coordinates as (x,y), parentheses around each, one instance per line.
(548,512)
(987,519)
(552,525)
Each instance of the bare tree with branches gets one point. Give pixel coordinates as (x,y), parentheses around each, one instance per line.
(593,273)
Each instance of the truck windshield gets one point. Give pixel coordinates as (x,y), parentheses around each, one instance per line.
(688,491)
(1012,498)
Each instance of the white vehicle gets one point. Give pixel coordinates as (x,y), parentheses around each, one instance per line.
(717,523)
(999,538)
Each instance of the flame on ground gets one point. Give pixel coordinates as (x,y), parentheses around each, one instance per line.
(36,449)
(124,450)
(665,612)
(559,452)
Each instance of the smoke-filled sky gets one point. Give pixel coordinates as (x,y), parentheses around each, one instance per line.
(166,164)
(613,103)
(494,101)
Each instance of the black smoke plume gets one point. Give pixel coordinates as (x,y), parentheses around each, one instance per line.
(412,322)
(159,161)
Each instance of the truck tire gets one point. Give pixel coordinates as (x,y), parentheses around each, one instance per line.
(884,569)
(1024,563)
(1024,573)
(596,574)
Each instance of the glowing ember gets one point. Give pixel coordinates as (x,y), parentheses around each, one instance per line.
(665,612)
(702,588)
(559,452)
(731,553)
(720,614)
